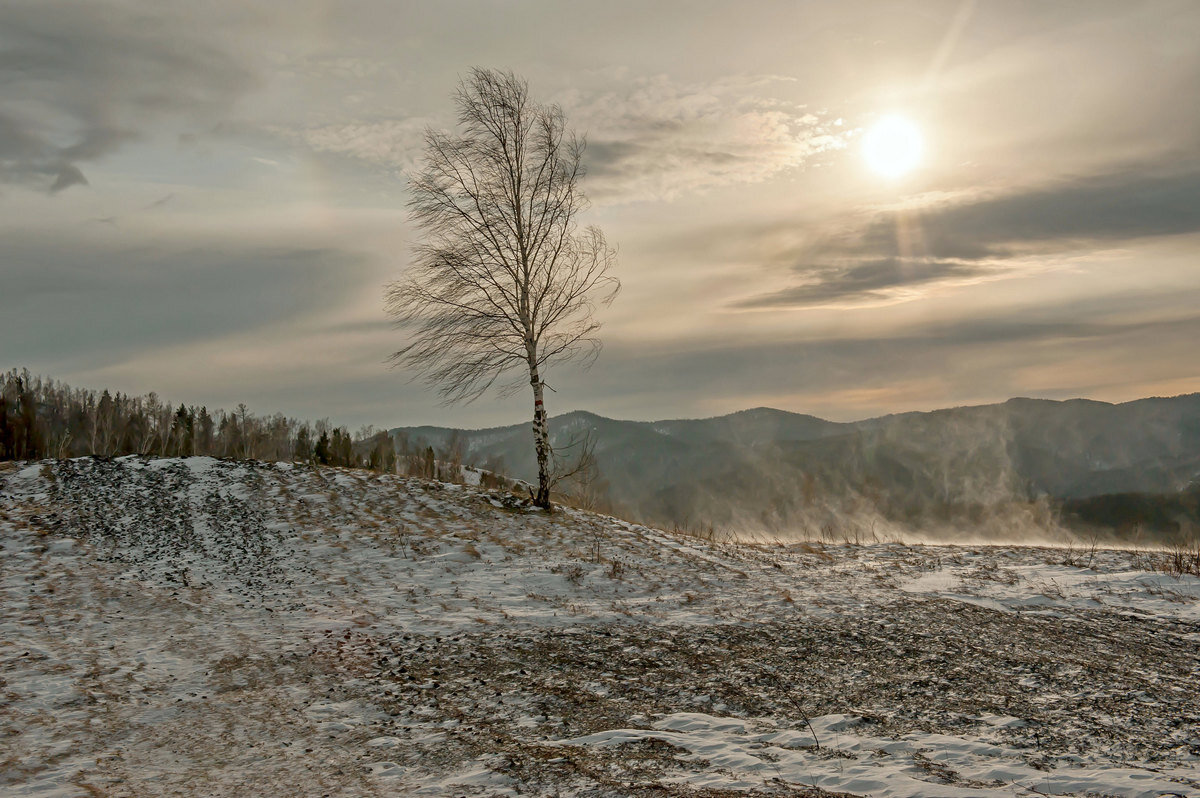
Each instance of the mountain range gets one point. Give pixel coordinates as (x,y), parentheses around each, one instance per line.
(997,469)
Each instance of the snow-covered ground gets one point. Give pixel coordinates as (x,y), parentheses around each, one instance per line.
(201,627)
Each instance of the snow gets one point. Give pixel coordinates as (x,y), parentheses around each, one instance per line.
(745,753)
(1063,589)
(204,627)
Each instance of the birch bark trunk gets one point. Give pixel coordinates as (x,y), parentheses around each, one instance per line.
(541,439)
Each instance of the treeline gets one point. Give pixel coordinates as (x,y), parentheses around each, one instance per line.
(43,418)
(1173,517)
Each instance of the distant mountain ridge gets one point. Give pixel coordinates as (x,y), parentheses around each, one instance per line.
(774,470)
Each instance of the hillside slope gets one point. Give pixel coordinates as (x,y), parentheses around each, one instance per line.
(204,627)
(783,472)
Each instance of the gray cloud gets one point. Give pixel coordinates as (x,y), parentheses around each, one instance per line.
(1126,204)
(1107,317)
(161,202)
(82,80)
(99,299)
(896,255)
(869,281)
(68,175)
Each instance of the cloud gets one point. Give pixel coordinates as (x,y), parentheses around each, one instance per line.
(1134,202)
(68,175)
(395,144)
(901,255)
(161,202)
(96,297)
(654,138)
(872,282)
(82,80)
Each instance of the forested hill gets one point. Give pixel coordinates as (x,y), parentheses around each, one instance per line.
(998,468)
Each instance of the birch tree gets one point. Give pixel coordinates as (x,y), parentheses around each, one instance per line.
(503,277)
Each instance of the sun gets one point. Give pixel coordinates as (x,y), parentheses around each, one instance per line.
(892,146)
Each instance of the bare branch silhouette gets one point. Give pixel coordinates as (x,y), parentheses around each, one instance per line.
(503,277)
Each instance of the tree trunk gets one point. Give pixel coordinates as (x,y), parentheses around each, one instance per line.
(541,440)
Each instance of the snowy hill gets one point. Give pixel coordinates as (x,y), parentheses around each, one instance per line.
(203,627)
(783,472)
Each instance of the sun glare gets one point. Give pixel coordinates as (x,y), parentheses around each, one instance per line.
(892,146)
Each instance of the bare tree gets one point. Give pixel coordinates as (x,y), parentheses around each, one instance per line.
(503,277)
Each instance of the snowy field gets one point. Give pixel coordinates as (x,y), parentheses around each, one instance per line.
(200,627)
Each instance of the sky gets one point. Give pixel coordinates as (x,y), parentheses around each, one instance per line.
(207,200)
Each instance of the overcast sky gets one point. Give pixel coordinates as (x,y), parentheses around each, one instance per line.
(207,199)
